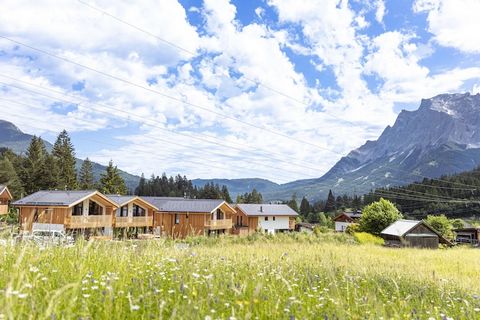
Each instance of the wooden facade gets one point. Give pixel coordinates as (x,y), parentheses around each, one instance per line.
(131,219)
(5,198)
(420,235)
(66,215)
(244,225)
(183,224)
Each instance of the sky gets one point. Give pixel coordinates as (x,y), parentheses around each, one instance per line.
(274,89)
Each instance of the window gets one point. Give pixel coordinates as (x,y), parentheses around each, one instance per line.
(241,220)
(273,218)
(78,210)
(266,218)
(94,209)
(219,214)
(138,211)
(123,212)
(177,218)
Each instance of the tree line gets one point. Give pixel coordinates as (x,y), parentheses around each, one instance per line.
(39,169)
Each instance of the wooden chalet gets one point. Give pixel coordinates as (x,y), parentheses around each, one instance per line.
(412,233)
(133,212)
(345,219)
(86,211)
(179,217)
(467,235)
(5,198)
(270,218)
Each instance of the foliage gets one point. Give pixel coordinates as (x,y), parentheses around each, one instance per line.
(367,238)
(250,197)
(86,181)
(293,203)
(317,230)
(293,276)
(9,177)
(352,229)
(458,223)
(111,182)
(330,205)
(305,207)
(378,215)
(441,224)
(64,155)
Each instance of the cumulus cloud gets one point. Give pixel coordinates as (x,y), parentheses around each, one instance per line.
(454,23)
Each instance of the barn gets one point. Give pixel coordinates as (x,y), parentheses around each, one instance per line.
(412,233)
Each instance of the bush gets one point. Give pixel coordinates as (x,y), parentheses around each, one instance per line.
(367,238)
(378,215)
(321,229)
(353,228)
(441,224)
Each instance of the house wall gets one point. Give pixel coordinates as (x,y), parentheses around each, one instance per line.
(51,215)
(271,226)
(341,226)
(189,224)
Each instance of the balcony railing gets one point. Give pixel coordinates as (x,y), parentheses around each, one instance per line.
(219,224)
(125,222)
(81,222)
(3,209)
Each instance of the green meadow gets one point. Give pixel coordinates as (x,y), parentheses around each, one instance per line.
(258,277)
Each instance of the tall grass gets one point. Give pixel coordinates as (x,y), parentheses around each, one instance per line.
(274,277)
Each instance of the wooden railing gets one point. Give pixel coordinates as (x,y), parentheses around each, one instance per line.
(80,222)
(3,209)
(125,222)
(219,224)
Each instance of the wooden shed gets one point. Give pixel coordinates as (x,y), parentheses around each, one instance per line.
(412,233)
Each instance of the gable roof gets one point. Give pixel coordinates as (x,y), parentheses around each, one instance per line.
(171,204)
(4,188)
(349,216)
(59,198)
(266,210)
(401,227)
(123,200)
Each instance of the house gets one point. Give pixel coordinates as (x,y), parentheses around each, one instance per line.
(5,198)
(344,219)
(268,217)
(179,217)
(467,235)
(133,212)
(412,233)
(87,211)
(304,227)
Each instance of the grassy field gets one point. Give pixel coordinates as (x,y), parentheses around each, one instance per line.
(285,277)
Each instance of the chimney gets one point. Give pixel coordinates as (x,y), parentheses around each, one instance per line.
(261,208)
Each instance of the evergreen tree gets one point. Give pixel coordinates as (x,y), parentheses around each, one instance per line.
(64,153)
(33,166)
(50,174)
(305,208)
(226,194)
(111,182)
(141,189)
(293,203)
(86,181)
(330,205)
(9,177)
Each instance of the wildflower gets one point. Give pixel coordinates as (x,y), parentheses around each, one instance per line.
(22,295)
(195,275)
(94,287)
(34,269)
(476,309)
(86,295)
(134,307)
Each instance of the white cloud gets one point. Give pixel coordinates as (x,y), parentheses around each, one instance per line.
(454,23)
(380,10)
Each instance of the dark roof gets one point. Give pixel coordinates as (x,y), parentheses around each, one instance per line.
(120,200)
(305,225)
(170,204)
(54,198)
(354,215)
(267,210)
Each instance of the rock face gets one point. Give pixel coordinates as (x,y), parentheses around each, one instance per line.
(441,137)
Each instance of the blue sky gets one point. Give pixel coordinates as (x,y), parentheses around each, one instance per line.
(277,89)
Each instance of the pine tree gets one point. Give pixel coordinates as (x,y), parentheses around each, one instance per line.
(226,194)
(305,208)
(64,153)
(330,205)
(33,166)
(86,181)
(50,174)
(111,182)
(9,177)
(140,190)
(293,203)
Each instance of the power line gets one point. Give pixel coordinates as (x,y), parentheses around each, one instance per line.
(205,163)
(143,121)
(194,105)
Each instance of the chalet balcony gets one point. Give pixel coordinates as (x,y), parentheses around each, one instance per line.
(86,222)
(132,222)
(3,209)
(219,224)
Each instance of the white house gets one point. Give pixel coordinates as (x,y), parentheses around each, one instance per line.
(270,218)
(344,219)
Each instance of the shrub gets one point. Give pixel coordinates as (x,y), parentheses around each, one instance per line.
(351,229)
(367,238)
(321,229)
(378,215)
(441,224)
